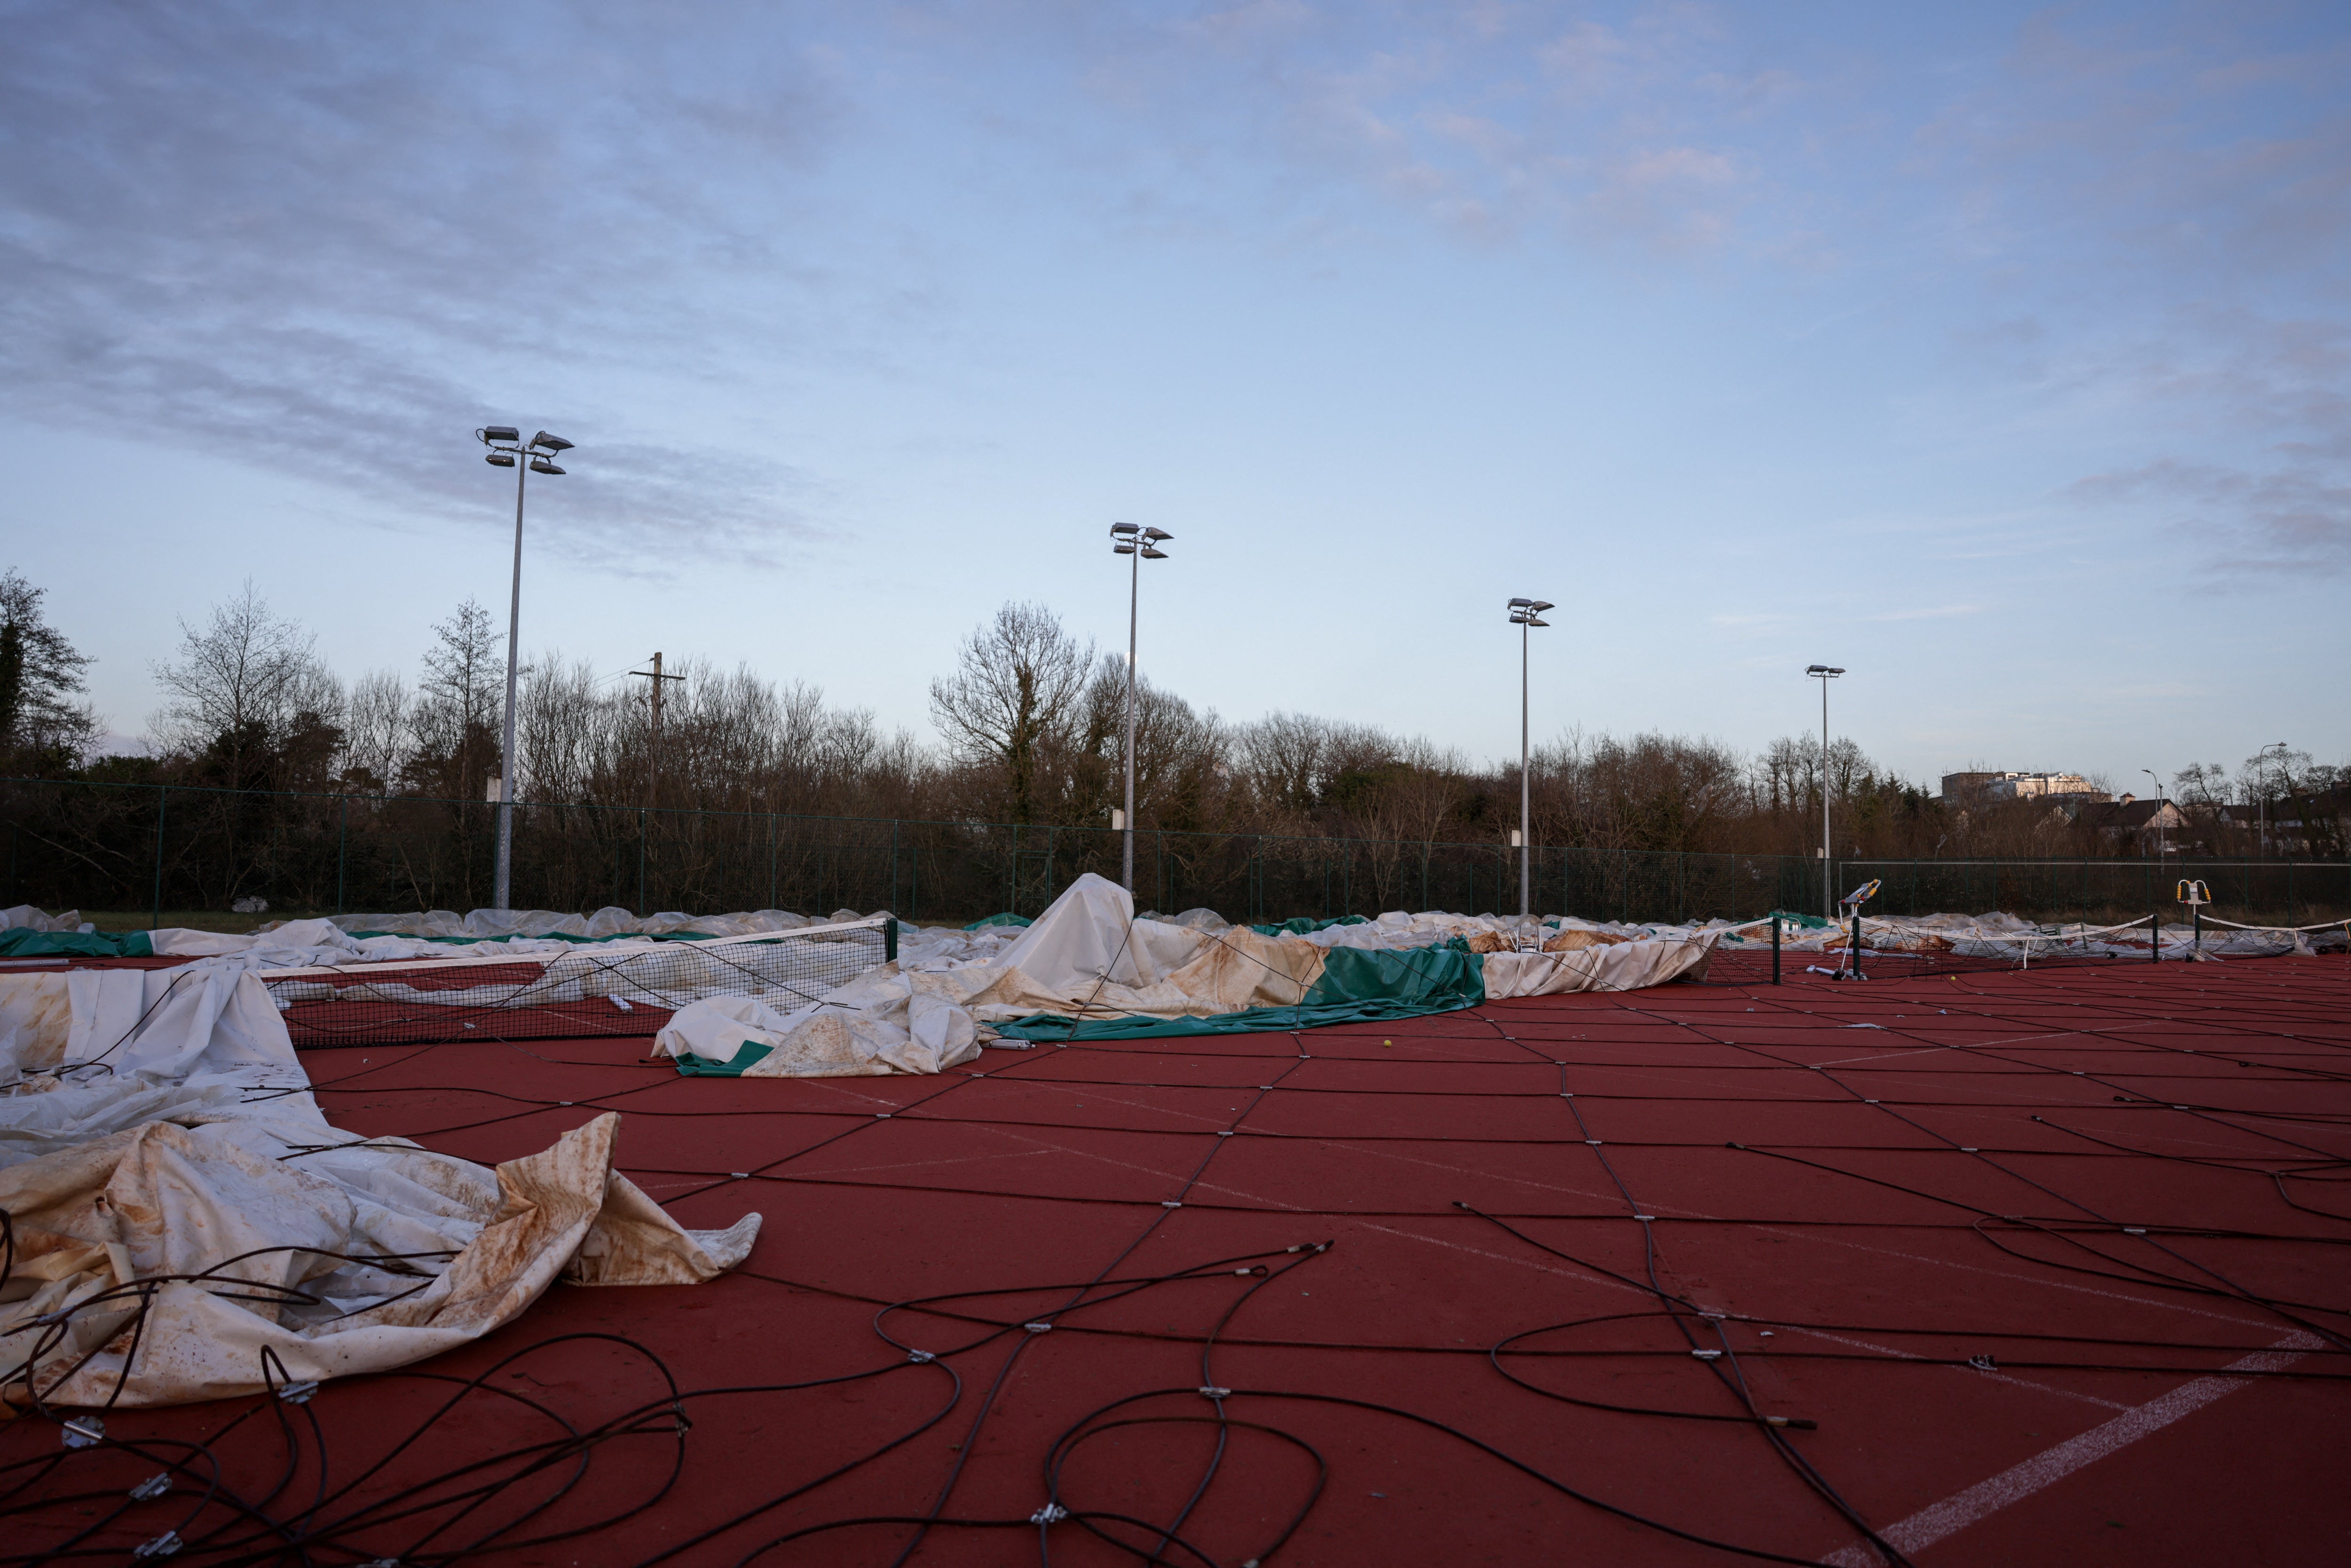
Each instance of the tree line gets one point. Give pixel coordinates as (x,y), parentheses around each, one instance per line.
(1031,721)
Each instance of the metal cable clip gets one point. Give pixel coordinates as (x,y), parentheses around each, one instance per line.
(1983,1363)
(1210,1391)
(299,1393)
(920,1356)
(1051,1513)
(1040,1326)
(164,1545)
(84,1431)
(153,1487)
(1708,1354)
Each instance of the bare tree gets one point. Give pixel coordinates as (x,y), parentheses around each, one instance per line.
(459,707)
(241,686)
(1016,689)
(375,731)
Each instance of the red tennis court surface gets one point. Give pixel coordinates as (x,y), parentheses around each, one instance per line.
(2054,1260)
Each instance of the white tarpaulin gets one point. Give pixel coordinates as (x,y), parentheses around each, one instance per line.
(179,1205)
(1090,956)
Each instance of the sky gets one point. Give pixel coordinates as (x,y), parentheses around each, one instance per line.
(2001,354)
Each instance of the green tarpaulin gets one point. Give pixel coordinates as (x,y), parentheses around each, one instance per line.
(1007,918)
(24,942)
(751,1054)
(1305,923)
(1358,986)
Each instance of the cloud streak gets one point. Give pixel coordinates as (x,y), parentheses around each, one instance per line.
(332,244)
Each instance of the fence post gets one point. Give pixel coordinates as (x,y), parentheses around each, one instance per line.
(640,861)
(1775,946)
(162,800)
(894,861)
(771,863)
(342,845)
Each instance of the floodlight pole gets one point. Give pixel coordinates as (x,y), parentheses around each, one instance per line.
(508,450)
(2262,801)
(1825,673)
(1526,614)
(1127,747)
(1142,544)
(502,894)
(2162,850)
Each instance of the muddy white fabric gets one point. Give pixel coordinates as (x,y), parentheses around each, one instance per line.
(605,921)
(1608,967)
(1083,958)
(174,1142)
(162,1199)
(27,917)
(166,1023)
(904,1031)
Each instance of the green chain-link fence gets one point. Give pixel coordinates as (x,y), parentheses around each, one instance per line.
(153,849)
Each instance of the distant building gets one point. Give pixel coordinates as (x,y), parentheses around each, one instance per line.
(1969,788)
(1966,789)
(2153,825)
(2296,824)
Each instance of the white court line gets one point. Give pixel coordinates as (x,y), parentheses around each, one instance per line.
(2013,1485)
(1887,1350)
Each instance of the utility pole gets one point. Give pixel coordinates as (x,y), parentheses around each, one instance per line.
(653,772)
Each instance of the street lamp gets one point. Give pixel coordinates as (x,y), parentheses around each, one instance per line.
(1525,614)
(537,456)
(2262,801)
(1827,672)
(2162,850)
(1142,544)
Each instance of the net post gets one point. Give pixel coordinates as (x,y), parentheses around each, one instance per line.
(1775,946)
(2155,938)
(890,939)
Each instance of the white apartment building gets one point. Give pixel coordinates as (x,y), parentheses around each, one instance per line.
(2019,787)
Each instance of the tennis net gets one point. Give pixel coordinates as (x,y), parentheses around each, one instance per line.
(1904,949)
(626,988)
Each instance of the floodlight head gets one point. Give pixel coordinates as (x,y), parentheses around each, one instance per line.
(541,466)
(1823,670)
(1540,605)
(1520,604)
(1126,549)
(1150,554)
(551,442)
(1124,531)
(498,459)
(1534,620)
(1155,535)
(490,433)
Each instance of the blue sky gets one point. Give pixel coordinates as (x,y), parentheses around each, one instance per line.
(1997,353)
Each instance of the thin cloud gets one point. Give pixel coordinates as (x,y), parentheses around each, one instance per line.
(333,245)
